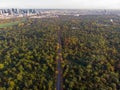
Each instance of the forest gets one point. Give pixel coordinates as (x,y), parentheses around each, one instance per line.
(90,46)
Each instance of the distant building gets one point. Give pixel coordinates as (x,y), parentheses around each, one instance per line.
(111,20)
(77,15)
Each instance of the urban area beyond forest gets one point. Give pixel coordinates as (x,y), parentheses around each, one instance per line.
(59,49)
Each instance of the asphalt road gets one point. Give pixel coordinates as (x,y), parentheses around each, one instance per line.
(59,69)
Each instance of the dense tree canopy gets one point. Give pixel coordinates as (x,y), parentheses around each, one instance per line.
(90,52)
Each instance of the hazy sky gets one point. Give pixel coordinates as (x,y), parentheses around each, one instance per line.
(61,4)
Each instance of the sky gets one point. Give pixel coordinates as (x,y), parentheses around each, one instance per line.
(61,4)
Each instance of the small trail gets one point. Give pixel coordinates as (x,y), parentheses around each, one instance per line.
(59,68)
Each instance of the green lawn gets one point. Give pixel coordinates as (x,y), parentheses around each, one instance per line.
(10,24)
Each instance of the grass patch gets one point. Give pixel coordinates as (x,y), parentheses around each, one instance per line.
(10,24)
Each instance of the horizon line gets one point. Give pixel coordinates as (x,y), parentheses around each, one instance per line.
(66,8)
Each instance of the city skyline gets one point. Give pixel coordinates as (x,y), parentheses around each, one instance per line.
(61,4)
